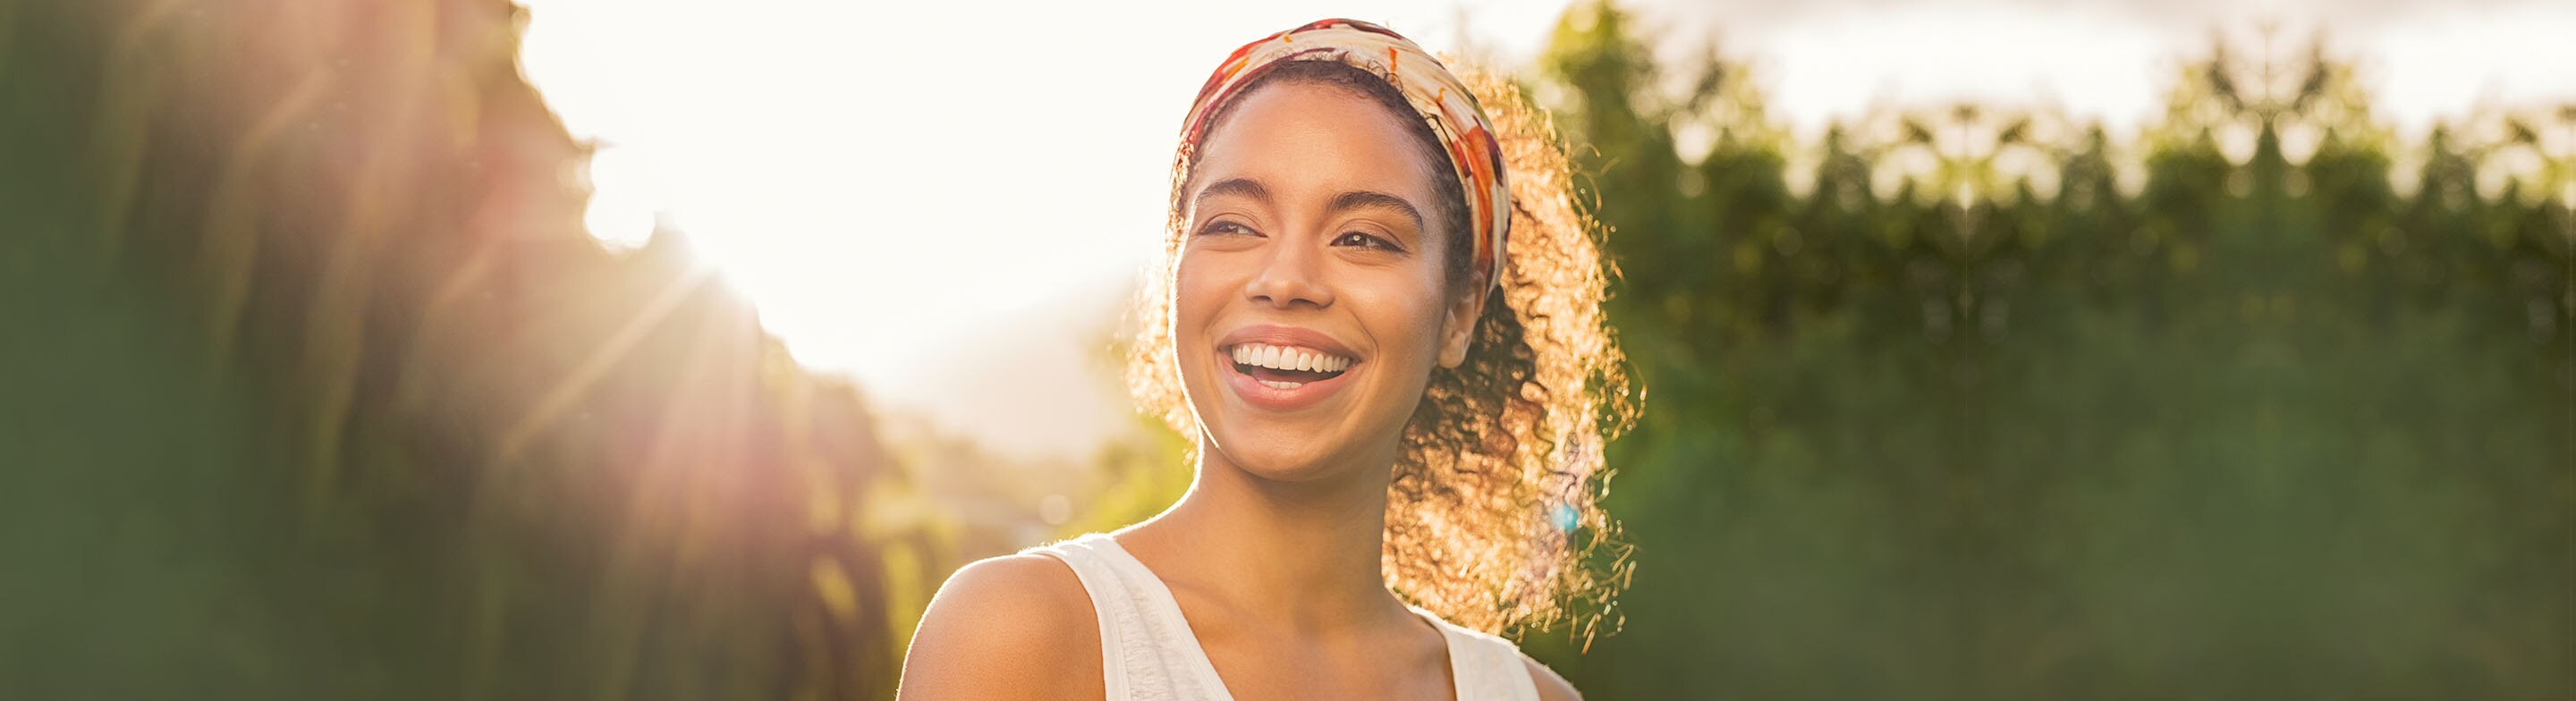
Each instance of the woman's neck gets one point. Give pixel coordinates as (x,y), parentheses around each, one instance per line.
(1306,555)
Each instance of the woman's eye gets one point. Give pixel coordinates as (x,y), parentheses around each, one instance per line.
(1224,227)
(1364,240)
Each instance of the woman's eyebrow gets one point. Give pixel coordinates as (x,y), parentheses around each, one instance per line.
(1245,187)
(1368,199)
(1354,199)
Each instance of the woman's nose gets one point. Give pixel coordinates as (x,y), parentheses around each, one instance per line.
(1290,274)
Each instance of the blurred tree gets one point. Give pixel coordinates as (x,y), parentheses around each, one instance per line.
(1978,411)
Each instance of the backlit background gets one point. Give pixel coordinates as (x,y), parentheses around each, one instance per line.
(580,348)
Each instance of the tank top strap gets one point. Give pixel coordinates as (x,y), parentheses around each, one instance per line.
(1147,650)
(1487,668)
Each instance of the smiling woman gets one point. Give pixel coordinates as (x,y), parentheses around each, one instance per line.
(1380,318)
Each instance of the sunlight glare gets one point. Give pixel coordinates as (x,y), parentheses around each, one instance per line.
(624,193)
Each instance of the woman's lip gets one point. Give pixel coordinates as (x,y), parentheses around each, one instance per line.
(1252,392)
(1275,335)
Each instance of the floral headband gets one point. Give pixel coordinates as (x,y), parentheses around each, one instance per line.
(1436,95)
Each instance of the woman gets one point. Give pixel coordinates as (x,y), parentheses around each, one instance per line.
(1397,414)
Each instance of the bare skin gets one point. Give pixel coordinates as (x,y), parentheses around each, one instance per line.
(1274,553)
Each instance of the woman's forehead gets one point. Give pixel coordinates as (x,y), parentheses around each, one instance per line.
(1305,139)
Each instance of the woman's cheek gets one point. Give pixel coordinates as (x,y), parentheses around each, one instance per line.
(1196,297)
(1404,313)
(1192,302)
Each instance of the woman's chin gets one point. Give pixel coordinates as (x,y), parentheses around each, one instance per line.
(1279,456)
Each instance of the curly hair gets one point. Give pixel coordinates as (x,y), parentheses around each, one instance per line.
(1493,518)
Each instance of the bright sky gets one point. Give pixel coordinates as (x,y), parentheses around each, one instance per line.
(951,200)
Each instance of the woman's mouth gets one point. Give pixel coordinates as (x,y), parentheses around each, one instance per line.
(1278,368)
(1284,378)
(1286,367)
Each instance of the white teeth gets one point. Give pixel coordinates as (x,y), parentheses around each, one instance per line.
(1287,358)
(1280,385)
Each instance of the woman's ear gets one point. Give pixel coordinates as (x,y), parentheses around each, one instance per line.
(1458,325)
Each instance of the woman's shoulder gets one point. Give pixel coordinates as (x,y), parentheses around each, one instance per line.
(1015,626)
(1028,590)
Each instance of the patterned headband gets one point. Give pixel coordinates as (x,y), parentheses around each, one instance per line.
(1436,95)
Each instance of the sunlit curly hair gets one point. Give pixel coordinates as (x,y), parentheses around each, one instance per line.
(1493,516)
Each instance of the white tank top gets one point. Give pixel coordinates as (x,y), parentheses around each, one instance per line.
(1147,652)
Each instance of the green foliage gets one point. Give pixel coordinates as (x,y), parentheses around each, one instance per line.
(1965,412)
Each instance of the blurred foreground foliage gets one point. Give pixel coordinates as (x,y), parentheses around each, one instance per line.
(314,387)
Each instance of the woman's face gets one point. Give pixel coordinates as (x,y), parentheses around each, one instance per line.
(1310,301)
